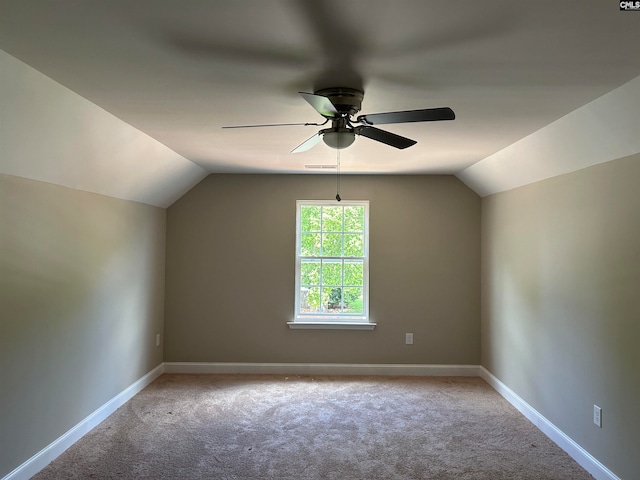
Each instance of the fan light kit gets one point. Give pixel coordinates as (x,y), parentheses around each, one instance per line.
(338,137)
(340,105)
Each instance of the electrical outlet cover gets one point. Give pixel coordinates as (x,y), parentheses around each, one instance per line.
(597,416)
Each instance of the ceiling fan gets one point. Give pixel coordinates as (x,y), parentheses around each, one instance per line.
(339,106)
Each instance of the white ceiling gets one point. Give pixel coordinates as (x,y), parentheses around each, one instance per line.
(179,71)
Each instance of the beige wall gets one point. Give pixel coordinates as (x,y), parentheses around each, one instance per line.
(561,303)
(82,277)
(230,271)
(81,300)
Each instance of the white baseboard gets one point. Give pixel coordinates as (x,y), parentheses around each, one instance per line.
(52,451)
(45,456)
(575,451)
(324,369)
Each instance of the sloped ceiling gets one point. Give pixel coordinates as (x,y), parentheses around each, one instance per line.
(50,134)
(176,72)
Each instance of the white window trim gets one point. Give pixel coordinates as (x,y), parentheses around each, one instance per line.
(335,325)
(328,321)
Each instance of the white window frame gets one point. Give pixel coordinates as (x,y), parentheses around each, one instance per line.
(332,320)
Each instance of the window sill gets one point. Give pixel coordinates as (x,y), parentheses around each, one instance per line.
(332,325)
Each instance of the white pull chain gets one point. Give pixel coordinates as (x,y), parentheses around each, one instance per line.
(338,175)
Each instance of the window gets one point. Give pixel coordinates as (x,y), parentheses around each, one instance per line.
(332,263)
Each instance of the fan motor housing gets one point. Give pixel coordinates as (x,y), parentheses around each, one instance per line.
(346,100)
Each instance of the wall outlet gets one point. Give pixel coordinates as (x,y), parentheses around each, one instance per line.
(597,416)
(157,340)
(408,338)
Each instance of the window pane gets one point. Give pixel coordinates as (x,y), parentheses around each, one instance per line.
(332,272)
(353,245)
(310,272)
(332,219)
(332,244)
(353,273)
(354,219)
(310,218)
(324,303)
(353,300)
(309,300)
(332,261)
(334,300)
(310,244)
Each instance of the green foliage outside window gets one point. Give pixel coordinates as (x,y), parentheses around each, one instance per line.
(332,285)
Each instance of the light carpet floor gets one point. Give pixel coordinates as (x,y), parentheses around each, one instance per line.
(236,427)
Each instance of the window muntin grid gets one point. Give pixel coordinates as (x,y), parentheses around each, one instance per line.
(332,261)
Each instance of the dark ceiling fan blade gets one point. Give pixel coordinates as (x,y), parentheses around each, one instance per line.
(424,115)
(308,144)
(384,137)
(255,55)
(339,46)
(277,125)
(321,104)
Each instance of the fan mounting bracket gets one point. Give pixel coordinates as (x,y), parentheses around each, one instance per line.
(347,101)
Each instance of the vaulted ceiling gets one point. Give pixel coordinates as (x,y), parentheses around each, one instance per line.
(179,71)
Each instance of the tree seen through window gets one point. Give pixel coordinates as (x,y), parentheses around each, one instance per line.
(332,259)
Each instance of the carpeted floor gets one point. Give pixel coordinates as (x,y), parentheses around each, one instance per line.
(236,427)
